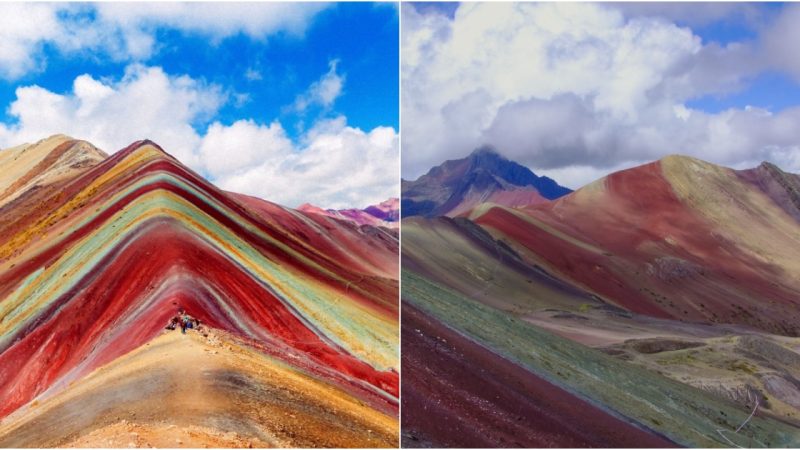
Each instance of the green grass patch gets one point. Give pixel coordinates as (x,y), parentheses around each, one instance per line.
(687,415)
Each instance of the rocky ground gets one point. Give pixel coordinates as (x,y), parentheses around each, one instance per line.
(202,389)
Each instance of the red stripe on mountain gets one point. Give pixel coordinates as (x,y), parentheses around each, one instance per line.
(445,376)
(87,326)
(576,263)
(367,284)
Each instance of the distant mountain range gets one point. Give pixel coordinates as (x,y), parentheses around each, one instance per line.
(384,214)
(668,293)
(456,186)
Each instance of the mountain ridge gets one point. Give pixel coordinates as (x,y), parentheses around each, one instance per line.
(675,276)
(93,269)
(384,214)
(456,185)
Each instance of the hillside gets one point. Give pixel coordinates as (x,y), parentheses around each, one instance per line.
(384,214)
(94,260)
(457,186)
(669,285)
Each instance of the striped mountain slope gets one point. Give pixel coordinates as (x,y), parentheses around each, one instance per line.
(666,295)
(94,261)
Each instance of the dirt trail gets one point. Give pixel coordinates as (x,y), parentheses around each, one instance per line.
(198,391)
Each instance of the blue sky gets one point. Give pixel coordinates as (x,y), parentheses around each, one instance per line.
(362,36)
(578,90)
(295,78)
(771,89)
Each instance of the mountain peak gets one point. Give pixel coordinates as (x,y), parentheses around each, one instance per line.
(138,235)
(28,166)
(144,145)
(58,137)
(770,167)
(681,159)
(384,214)
(486,150)
(481,176)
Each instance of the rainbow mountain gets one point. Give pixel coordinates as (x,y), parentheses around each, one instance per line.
(655,307)
(384,214)
(300,346)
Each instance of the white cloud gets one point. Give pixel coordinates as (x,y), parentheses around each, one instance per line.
(694,13)
(145,103)
(332,164)
(322,92)
(20,42)
(215,19)
(127,31)
(335,165)
(581,89)
(134,23)
(228,150)
(780,39)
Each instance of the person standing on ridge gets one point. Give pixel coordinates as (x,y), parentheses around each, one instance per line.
(186,322)
(175,320)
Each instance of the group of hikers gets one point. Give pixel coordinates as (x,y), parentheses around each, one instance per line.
(185,321)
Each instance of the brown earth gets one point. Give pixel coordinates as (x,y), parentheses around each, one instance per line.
(455,393)
(198,391)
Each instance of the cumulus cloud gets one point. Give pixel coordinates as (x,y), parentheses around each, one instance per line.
(334,165)
(219,20)
(228,150)
(779,39)
(322,93)
(134,24)
(695,13)
(19,42)
(145,102)
(578,90)
(127,31)
(245,156)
